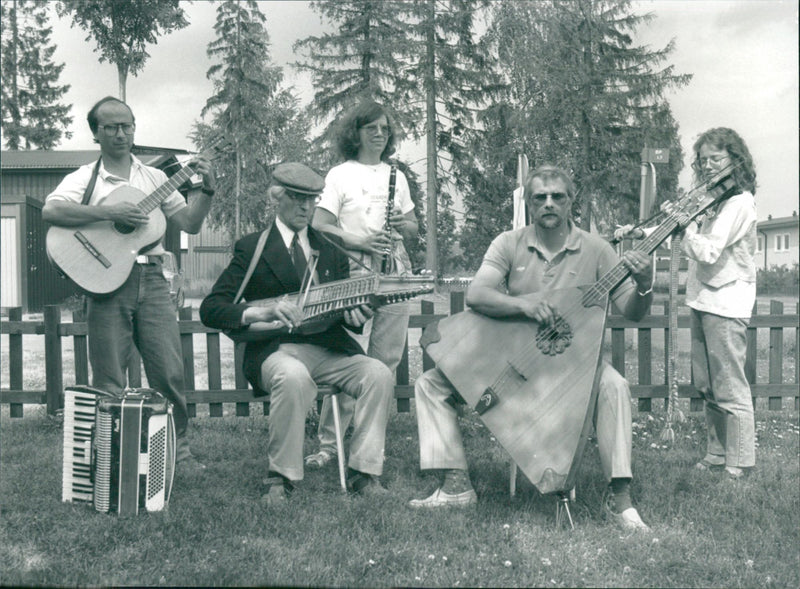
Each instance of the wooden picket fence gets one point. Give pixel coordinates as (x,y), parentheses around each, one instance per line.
(54,330)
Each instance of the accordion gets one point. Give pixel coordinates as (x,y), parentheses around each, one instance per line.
(119,450)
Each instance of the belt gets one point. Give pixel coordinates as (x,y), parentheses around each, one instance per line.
(148,259)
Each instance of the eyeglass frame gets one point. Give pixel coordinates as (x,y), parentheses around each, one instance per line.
(712,159)
(373,129)
(540,198)
(116,128)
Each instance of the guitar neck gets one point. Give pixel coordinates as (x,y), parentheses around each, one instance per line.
(154,200)
(614,277)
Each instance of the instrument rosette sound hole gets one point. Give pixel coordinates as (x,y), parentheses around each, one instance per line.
(555,338)
(124,228)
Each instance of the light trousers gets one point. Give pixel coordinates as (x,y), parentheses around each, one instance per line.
(291,375)
(387,338)
(719,348)
(441,445)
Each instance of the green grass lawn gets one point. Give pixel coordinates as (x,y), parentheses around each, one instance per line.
(707,531)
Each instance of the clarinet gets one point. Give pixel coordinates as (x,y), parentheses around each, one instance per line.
(386,263)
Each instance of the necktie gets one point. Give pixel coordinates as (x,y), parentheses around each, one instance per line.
(299,258)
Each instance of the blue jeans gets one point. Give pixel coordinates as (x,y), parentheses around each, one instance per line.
(719,348)
(139,314)
(387,339)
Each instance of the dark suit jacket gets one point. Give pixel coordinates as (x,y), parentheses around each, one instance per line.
(273,276)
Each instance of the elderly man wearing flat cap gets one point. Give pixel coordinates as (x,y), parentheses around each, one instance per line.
(290,365)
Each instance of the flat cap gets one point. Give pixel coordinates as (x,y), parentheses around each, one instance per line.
(298,178)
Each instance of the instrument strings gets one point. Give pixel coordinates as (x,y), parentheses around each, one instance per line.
(598,292)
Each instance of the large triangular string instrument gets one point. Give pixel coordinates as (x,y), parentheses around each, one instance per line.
(534,386)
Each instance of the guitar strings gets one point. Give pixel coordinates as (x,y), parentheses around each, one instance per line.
(602,288)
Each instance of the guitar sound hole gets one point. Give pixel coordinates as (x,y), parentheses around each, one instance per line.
(554,339)
(123,228)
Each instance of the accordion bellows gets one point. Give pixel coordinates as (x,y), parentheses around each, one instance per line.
(119,450)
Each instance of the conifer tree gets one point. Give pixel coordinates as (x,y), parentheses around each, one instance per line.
(580,94)
(258,117)
(418,59)
(360,60)
(32,113)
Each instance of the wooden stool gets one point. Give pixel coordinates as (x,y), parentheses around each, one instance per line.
(337,427)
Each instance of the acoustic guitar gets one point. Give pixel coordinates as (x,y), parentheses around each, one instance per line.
(534,386)
(99,256)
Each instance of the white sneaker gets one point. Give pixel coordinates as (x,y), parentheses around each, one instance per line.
(629,520)
(442,499)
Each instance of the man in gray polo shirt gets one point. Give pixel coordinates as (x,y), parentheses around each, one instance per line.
(549,253)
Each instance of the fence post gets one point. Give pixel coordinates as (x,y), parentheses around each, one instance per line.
(187,352)
(645,357)
(775,355)
(426,308)
(53,366)
(15,361)
(751,357)
(456,302)
(79,345)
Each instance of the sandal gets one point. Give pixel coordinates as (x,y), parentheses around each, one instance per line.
(319,459)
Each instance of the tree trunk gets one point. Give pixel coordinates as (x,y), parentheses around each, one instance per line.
(237,191)
(431,252)
(122,76)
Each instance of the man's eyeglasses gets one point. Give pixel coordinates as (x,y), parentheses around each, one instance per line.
(374,129)
(714,159)
(558,197)
(112,130)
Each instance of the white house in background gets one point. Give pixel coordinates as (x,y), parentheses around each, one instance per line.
(778,242)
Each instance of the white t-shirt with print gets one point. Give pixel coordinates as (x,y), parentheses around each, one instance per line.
(357,194)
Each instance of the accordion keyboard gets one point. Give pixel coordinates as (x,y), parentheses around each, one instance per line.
(79,419)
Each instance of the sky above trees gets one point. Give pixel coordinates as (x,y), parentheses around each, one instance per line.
(743,55)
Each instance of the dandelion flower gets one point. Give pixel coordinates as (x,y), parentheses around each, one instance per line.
(626,570)
(507,563)
(431,556)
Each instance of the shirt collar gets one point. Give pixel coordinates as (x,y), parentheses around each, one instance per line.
(136,166)
(287,234)
(572,243)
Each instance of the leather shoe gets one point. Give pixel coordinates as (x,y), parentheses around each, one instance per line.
(185,460)
(274,496)
(628,520)
(278,490)
(365,484)
(442,499)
